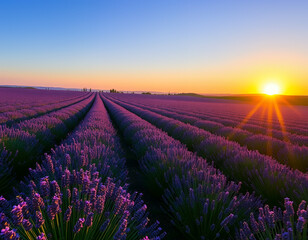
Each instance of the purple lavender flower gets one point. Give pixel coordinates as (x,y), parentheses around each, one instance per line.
(55,188)
(285,236)
(85,184)
(19,199)
(78,205)
(261,224)
(78,225)
(289,208)
(27,224)
(54,208)
(75,195)
(68,193)
(37,201)
(73,177)
(42,236)
(301,207)
(87,207)
(205,207)
(3,221)
(32,184)
(17,214)
(140,213)
(99,205)
(49,164)
(68,214)
(4,203)
(300,224)
(212,227)
(92,196)
(89,219)
(39,220)
(44,186)
(227,220)
(122,230)
(67,160)
(254,224)
(80,175)
(246,229)
(8,234)
(25,209)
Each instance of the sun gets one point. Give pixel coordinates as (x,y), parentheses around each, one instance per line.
(271,89)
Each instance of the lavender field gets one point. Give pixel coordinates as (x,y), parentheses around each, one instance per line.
(93,165)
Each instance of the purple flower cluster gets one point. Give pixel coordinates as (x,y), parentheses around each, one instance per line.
(263,174)
(76,191)
(19,104)
(282,143)
(103,153)
(7,178)
(229,113)
(28,139)
(183,180)
(277,224)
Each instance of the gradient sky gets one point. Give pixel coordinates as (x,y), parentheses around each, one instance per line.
(161,45)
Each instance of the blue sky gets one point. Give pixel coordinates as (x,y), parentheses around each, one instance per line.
(139,37)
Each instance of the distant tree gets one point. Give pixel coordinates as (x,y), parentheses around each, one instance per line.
(147,93)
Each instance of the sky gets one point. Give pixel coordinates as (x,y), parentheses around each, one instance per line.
(214,46)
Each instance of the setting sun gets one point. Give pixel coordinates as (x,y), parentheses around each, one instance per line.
(271,89)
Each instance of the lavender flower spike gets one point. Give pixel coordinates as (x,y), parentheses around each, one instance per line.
(79,225)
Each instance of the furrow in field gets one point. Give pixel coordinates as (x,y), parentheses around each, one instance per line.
(224,111)
(9,119)
(257,172)
(80,192)
(286,153)
(12,99)
(28,140)
(196,196)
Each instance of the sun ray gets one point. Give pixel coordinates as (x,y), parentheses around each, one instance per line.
(282,99)
(249,115)
(281,121)
(270,127)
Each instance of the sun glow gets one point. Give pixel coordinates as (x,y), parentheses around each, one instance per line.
(271,89)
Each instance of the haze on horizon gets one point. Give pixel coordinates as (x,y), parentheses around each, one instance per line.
(233,47)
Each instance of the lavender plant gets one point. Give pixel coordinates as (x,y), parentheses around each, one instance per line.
(199,200)
(59,201)
(78,207)
(277,224)
(258,172)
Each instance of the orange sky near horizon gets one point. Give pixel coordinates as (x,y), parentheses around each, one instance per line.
(247,75)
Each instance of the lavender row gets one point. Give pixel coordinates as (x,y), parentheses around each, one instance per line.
(12,117)
(275,224)
(260,173)
(223,119)
(233,110)
(29,139)
(72,196)
(12,99)
(232,122)
(292,155)
(256,124)
(201,203)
